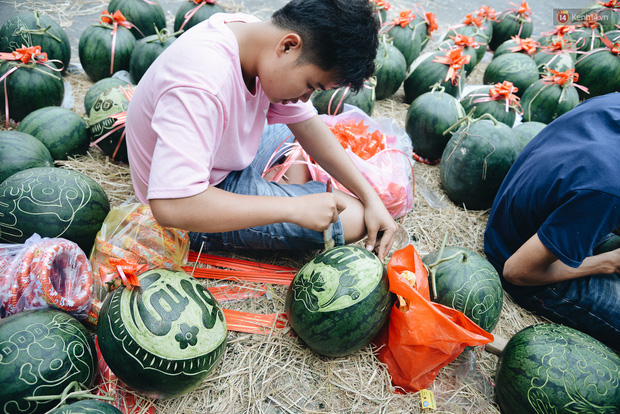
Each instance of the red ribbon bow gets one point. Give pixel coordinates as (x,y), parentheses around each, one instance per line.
(455,60)
(523,10)
(569,77)
(203,1)
(486,12)
(471,20)
(528,45)
(613,4)
(613,47)
(128,270)
(505,90)
(431,22)
(381,4)
(26,55)
(462,40)
(405,17)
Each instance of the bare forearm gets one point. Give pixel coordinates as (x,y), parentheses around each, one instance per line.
(534,265)
(217,211)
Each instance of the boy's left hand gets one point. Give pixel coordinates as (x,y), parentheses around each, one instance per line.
(380,228)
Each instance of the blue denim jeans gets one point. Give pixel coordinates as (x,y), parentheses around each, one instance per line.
(278,236)
(590,304)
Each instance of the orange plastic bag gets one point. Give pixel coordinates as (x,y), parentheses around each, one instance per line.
(422,336)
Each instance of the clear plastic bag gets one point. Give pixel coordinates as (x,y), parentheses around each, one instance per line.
(131,242)
(45,273)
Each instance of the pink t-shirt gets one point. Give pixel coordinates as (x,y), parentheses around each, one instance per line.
(192,120)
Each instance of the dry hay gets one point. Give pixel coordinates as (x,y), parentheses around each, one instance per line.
(276,373)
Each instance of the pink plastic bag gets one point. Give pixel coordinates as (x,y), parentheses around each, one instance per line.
(379,148)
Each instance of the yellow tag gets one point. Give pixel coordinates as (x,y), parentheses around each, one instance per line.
(427,399)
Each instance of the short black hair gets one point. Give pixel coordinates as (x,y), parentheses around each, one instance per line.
(339,35)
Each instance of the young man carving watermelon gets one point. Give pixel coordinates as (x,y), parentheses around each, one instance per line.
(198,142)
(553,229)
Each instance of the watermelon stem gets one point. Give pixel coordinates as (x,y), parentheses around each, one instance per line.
(71,391)
(163,34)
(466,119)
(431,267)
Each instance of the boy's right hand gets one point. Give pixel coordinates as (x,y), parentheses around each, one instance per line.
(317,211)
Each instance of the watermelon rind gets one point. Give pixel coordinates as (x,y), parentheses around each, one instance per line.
(527,130)
(42,352)
(428,118)
(599,71)
(98,88)
(146,16)
(102,120)
(390,70)
(518,68)
(425,73)
(507,24)
(36,29)
(475,162)
(331,102)
(339,301)
(20,151)
(52,202)
(544,102)
(558,368)
(163,339)
(204,11)
(95,50)
(495,108)
(146,51)
(467,282)
(30,88)
(62,131)
(87,407)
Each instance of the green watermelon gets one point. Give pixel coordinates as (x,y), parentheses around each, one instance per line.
(528,46)
(192,12)
(480,34)
(98,88)
(558,61)
(544,102)
(527,130)
(20,151)
(331,102)
(41,353)
(408,39)
(339,301)
(87,407)
(146,51)
(110,103)
(52,202)
(599,71)
(585,38)
(606,16)
(467,282)
(146,15)
(390,70)
(428,118)
(29,88)
(468,46)
(481,102)
(96,46)
(475,162)
(427,71)
(36,29)
(552,368)
(61,130)
(163,339)
(518,68)
(511,22)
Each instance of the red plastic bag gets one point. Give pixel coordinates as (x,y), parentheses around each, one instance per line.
(422,336)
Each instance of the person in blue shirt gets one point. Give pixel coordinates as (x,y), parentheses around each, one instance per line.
(552,232)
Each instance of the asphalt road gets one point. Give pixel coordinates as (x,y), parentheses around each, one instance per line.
(82,13)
